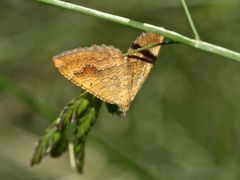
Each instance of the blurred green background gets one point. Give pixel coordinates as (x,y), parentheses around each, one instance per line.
(183,125)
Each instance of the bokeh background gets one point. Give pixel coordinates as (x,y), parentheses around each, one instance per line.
(183,125)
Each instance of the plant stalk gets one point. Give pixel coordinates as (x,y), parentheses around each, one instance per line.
(197,37)
(148,27)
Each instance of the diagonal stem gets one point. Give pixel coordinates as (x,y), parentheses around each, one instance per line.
(197,37)
(150,46)
(148,27)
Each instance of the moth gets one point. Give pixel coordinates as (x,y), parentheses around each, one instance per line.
(106,73)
